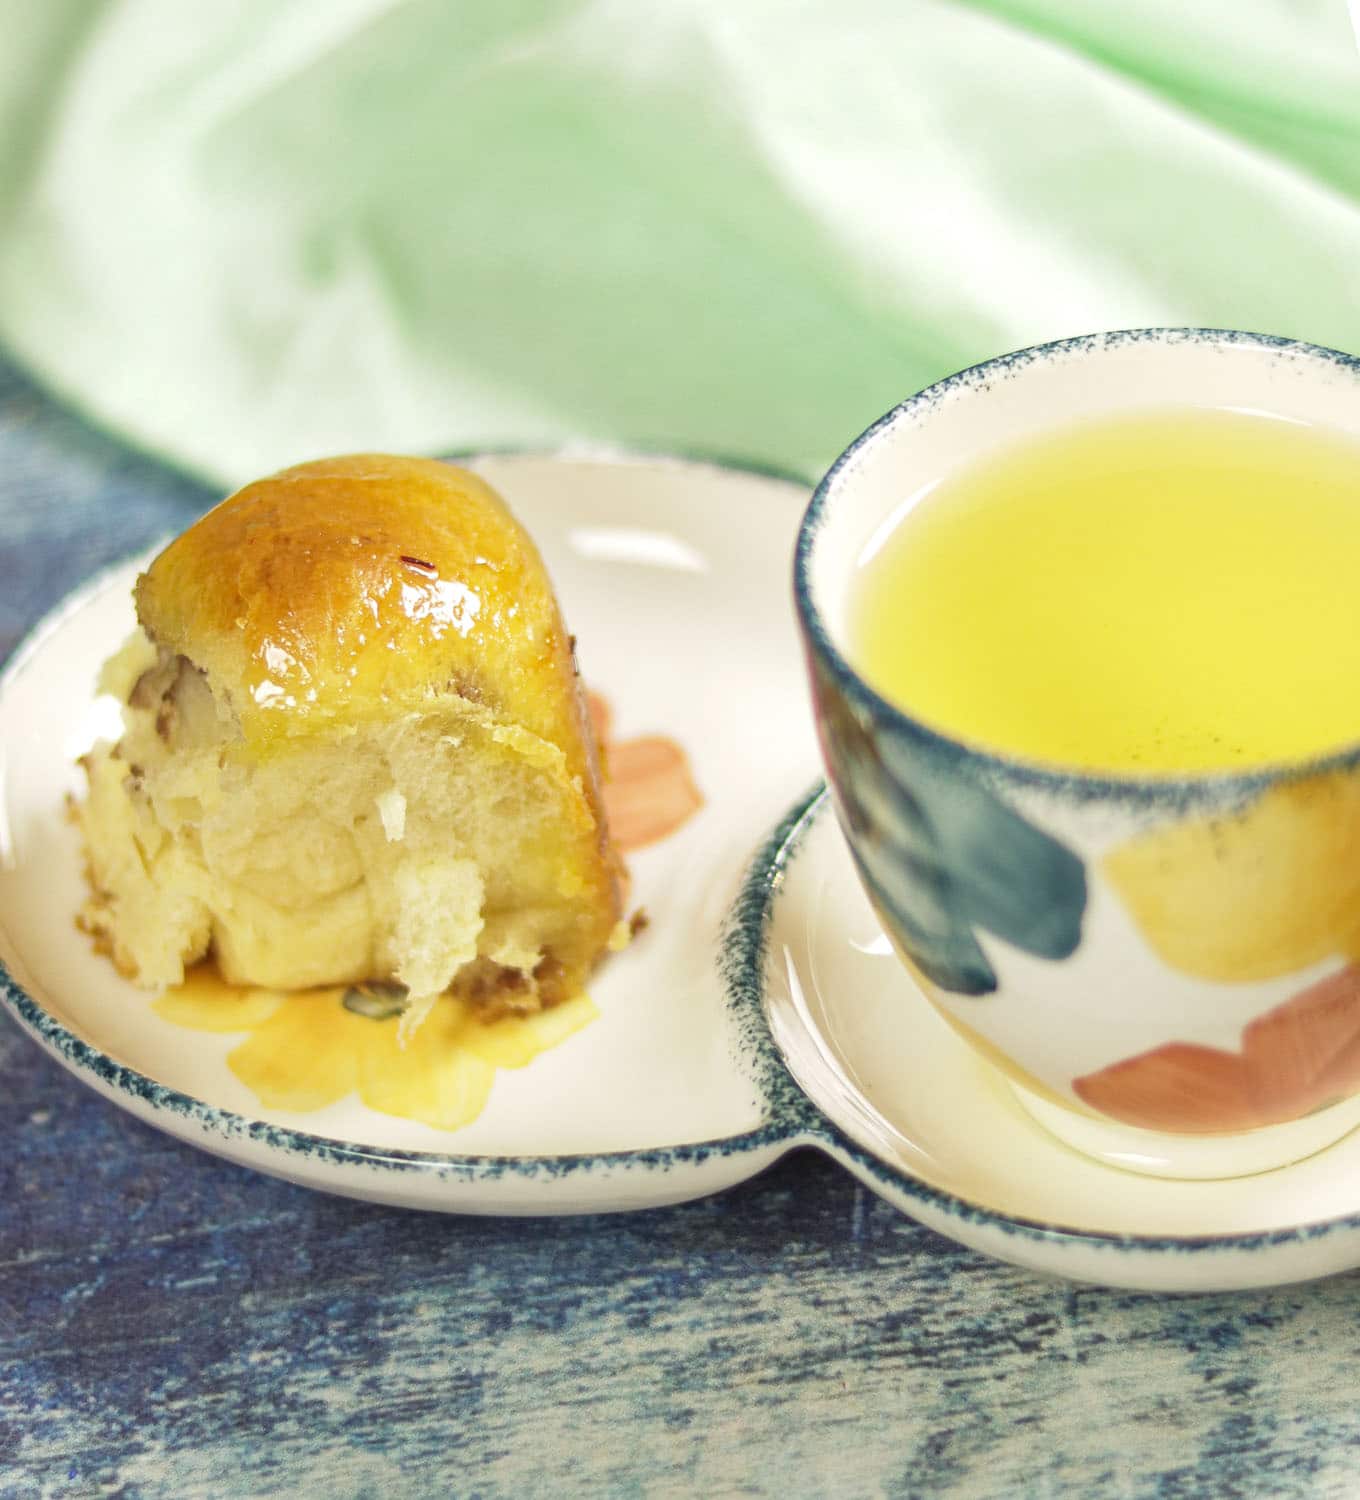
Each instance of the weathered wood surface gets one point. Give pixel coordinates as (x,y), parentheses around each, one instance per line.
(174,1326)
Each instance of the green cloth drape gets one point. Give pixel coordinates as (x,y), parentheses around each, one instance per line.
(251,232)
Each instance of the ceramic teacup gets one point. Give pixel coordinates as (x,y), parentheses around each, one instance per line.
(1166,970)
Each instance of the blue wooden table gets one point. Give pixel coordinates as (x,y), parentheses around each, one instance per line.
(173,1326)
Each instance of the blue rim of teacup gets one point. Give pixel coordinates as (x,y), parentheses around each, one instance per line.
(1054,777)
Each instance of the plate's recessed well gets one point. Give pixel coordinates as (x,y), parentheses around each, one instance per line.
(935,1128)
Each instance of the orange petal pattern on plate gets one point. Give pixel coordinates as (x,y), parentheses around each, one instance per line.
(649,789)
(1264,891)
(1297,1058)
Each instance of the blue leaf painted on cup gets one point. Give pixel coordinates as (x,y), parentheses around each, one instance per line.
(943,855)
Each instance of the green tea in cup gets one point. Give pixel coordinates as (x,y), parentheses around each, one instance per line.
(1158,592)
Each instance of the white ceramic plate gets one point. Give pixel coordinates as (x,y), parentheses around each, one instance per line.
(674,576)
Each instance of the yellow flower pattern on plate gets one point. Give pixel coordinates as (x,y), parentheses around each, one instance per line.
(1249,895)
(307,1050)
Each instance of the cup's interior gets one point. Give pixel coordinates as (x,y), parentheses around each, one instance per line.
(896,463)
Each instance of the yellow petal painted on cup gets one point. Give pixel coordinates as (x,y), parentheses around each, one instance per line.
(435,1078)
(516,1040)
(204,1002)
(306,1055)
(1253,894)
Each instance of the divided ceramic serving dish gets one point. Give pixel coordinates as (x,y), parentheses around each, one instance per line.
(761,1009)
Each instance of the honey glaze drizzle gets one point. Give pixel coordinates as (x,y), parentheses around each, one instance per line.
(309,1049)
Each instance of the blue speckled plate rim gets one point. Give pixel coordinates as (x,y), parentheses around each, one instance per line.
(1202,789)
(756,907)
(754,1054)
(742,958)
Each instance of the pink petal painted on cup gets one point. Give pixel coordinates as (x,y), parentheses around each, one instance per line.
(1297,1058)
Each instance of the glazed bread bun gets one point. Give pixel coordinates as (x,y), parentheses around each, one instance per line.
(355,749)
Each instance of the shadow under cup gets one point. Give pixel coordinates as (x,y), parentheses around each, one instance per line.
(1166,969)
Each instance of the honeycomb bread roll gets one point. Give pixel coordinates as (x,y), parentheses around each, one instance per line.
(355,748)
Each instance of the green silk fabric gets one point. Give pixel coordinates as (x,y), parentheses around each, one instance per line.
(247,233)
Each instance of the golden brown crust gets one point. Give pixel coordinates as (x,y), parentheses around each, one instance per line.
(368,586)
(368,580)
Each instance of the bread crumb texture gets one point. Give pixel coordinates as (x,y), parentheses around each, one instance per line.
(355,749)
